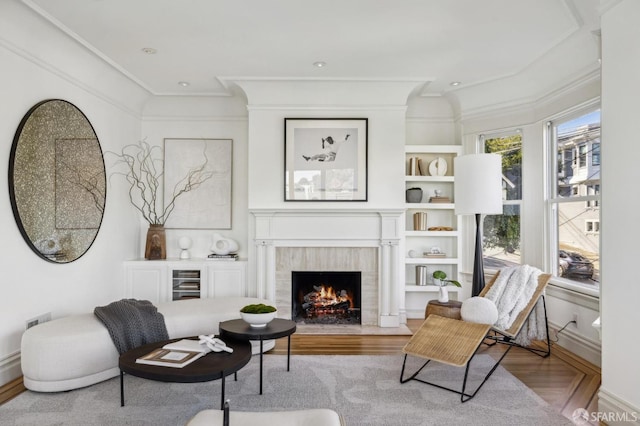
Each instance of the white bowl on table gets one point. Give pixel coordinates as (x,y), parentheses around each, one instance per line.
(258,320)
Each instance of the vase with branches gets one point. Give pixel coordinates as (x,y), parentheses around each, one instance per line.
(142,166)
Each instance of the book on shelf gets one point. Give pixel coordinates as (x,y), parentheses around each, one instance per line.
(435,255)
(415,166)
(228,257)
(439,200)
(170,358)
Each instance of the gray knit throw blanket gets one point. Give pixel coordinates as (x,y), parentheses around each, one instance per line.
(132,323)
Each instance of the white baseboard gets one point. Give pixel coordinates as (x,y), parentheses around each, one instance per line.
(575,343)
(614,411)
(10,368)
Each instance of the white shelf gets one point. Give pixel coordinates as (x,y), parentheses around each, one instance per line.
(430,206)
(431,234)
(431,261)
(429,178)
(433,149)
(410,287)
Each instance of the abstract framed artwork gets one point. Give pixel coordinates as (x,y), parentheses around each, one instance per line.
(209,205)
(325,159)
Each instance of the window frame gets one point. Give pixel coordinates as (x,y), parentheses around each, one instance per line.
(553,199)
(480,148)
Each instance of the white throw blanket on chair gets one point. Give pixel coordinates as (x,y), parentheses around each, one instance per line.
(511,292)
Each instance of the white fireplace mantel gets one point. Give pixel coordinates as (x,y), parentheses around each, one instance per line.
(379,228)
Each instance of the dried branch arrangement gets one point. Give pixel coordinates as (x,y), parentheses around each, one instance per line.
(143,168)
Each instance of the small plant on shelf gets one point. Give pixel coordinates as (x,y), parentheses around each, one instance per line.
(259,308)
(440,279)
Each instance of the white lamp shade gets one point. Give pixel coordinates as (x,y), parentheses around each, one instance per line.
(478,184)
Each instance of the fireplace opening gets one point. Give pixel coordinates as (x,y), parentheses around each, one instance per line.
(326,297)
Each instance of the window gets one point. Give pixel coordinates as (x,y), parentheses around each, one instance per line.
(574,198)
(592,226)
(501,233)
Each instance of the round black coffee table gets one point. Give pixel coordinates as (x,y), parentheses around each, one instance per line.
(212,366)
(238,329)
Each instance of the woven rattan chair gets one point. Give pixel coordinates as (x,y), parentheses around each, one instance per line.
(455,342)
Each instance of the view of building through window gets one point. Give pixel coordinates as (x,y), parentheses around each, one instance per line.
(501,233)
(575,198)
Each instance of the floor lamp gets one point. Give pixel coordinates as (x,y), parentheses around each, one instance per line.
(478,191)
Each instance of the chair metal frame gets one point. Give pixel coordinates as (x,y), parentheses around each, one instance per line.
(498,337)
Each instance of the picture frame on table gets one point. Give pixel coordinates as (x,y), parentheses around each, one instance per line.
(209,205)
(325,159)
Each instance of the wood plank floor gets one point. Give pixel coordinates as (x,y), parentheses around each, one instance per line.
(563,380)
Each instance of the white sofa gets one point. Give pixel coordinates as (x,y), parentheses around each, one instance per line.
(77,351)
(311,417)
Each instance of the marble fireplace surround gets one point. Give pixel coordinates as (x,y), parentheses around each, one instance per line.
(322,240)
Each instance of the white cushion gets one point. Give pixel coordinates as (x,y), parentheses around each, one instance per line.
(479,310)
(311,417)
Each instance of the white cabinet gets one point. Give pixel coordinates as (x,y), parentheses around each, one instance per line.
(441,232)
(166,280)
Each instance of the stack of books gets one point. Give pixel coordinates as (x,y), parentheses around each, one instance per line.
(439,199)
(431,254)
(415,166)
(224,257)
(175,355)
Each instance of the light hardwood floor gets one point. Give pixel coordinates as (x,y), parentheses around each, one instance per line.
(563,380)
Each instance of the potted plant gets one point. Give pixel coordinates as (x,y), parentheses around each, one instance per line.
(440,279)
(258,315)
(142,166)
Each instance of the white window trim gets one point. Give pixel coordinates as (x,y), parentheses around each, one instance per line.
(550,238)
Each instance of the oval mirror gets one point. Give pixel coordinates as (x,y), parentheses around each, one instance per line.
(57,181)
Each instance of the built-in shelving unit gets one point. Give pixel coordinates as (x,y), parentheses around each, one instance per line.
(439,214)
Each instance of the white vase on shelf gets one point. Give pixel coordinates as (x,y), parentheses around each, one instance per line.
(443,294)
(222,245)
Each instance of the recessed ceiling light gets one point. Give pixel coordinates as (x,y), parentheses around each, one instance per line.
(149,50)
(455,83)
(319,64)
(183,83)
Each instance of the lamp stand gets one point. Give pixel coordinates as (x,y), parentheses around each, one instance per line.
(478,268)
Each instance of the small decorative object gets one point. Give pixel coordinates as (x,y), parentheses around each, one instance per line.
(258,315)
(440,279)
(222,245)
(414,254)
(156,247)
(143,170)
(420,221)
(185,244)
(421,275)
(438,167)
(414,195)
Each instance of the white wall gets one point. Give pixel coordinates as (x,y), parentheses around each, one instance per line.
(620,207)
(212,118)
(38,63)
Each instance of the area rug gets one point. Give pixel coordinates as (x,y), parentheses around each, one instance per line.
(365,390)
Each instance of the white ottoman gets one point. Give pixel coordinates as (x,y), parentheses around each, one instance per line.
(77,351)
(312,417)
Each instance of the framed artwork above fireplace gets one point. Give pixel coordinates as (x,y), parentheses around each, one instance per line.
(325,159)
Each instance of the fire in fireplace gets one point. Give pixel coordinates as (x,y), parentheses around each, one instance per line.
(326,297)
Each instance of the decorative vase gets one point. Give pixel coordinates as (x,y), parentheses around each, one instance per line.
(223,245)
(414,195)
(156,247)
(443,295)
